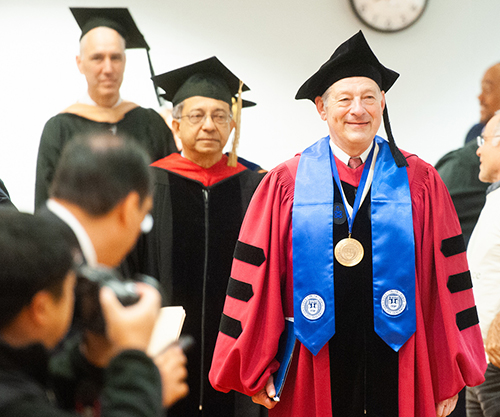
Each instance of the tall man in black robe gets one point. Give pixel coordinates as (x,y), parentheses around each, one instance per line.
(200,200)
(106,33)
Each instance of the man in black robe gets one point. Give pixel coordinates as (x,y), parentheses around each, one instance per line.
(200,200)
(106,33)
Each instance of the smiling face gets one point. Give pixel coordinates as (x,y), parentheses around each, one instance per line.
(203,142)
(102,62)
(353,110)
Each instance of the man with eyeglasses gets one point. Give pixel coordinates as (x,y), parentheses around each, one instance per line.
(200,198)
(483,255)
(459,168)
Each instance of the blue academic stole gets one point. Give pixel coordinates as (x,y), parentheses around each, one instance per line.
(393,248)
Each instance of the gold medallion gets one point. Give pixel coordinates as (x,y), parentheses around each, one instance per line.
(349,252)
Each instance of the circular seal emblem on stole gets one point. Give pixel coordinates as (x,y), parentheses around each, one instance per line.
(312,307)
(393,302)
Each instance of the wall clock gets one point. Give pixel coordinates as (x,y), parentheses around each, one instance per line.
(388,15)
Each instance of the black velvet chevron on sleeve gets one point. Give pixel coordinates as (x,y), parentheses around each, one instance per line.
(459,282)
(230,327)
(249,254)
(467,318)
(239,290)
(453,246)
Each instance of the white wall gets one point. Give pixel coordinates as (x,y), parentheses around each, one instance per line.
(273,45)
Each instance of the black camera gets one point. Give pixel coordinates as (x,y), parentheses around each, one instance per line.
(88,312)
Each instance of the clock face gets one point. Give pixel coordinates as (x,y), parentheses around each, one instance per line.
(388,15)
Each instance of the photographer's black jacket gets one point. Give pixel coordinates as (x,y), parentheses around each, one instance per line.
(197,217)
(28,387)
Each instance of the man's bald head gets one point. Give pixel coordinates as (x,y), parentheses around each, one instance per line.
(102,61)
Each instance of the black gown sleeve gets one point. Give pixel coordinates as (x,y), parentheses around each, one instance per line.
(49,152)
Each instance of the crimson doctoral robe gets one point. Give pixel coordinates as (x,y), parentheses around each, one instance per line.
(443,355)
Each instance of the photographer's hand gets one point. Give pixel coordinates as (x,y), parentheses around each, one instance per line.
(97,349)
(172,366)
(130,327)
(126,327)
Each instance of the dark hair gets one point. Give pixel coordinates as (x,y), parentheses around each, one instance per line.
(97,172)
(34,256)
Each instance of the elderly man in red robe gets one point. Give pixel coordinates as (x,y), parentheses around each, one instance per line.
(357,247)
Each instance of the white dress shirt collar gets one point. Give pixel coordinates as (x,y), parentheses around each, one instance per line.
(83,238)
(342,156)
(85,99)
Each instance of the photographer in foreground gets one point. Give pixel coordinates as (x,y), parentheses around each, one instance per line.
(102,193)
(36,308)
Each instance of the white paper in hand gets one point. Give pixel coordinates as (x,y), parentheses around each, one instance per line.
(167,329)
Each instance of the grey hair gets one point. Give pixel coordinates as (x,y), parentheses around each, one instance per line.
(326,95)
(496,133)
(497,127)
(177,110)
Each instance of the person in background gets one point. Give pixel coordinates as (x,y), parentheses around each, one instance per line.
(106,33)
(166,113)
(459,169)
(489,101)
(483,254)
(200,199)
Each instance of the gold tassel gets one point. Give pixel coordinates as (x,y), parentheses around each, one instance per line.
(233,157)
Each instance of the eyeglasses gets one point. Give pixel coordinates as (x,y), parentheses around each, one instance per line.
(196,117)
(480,139)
